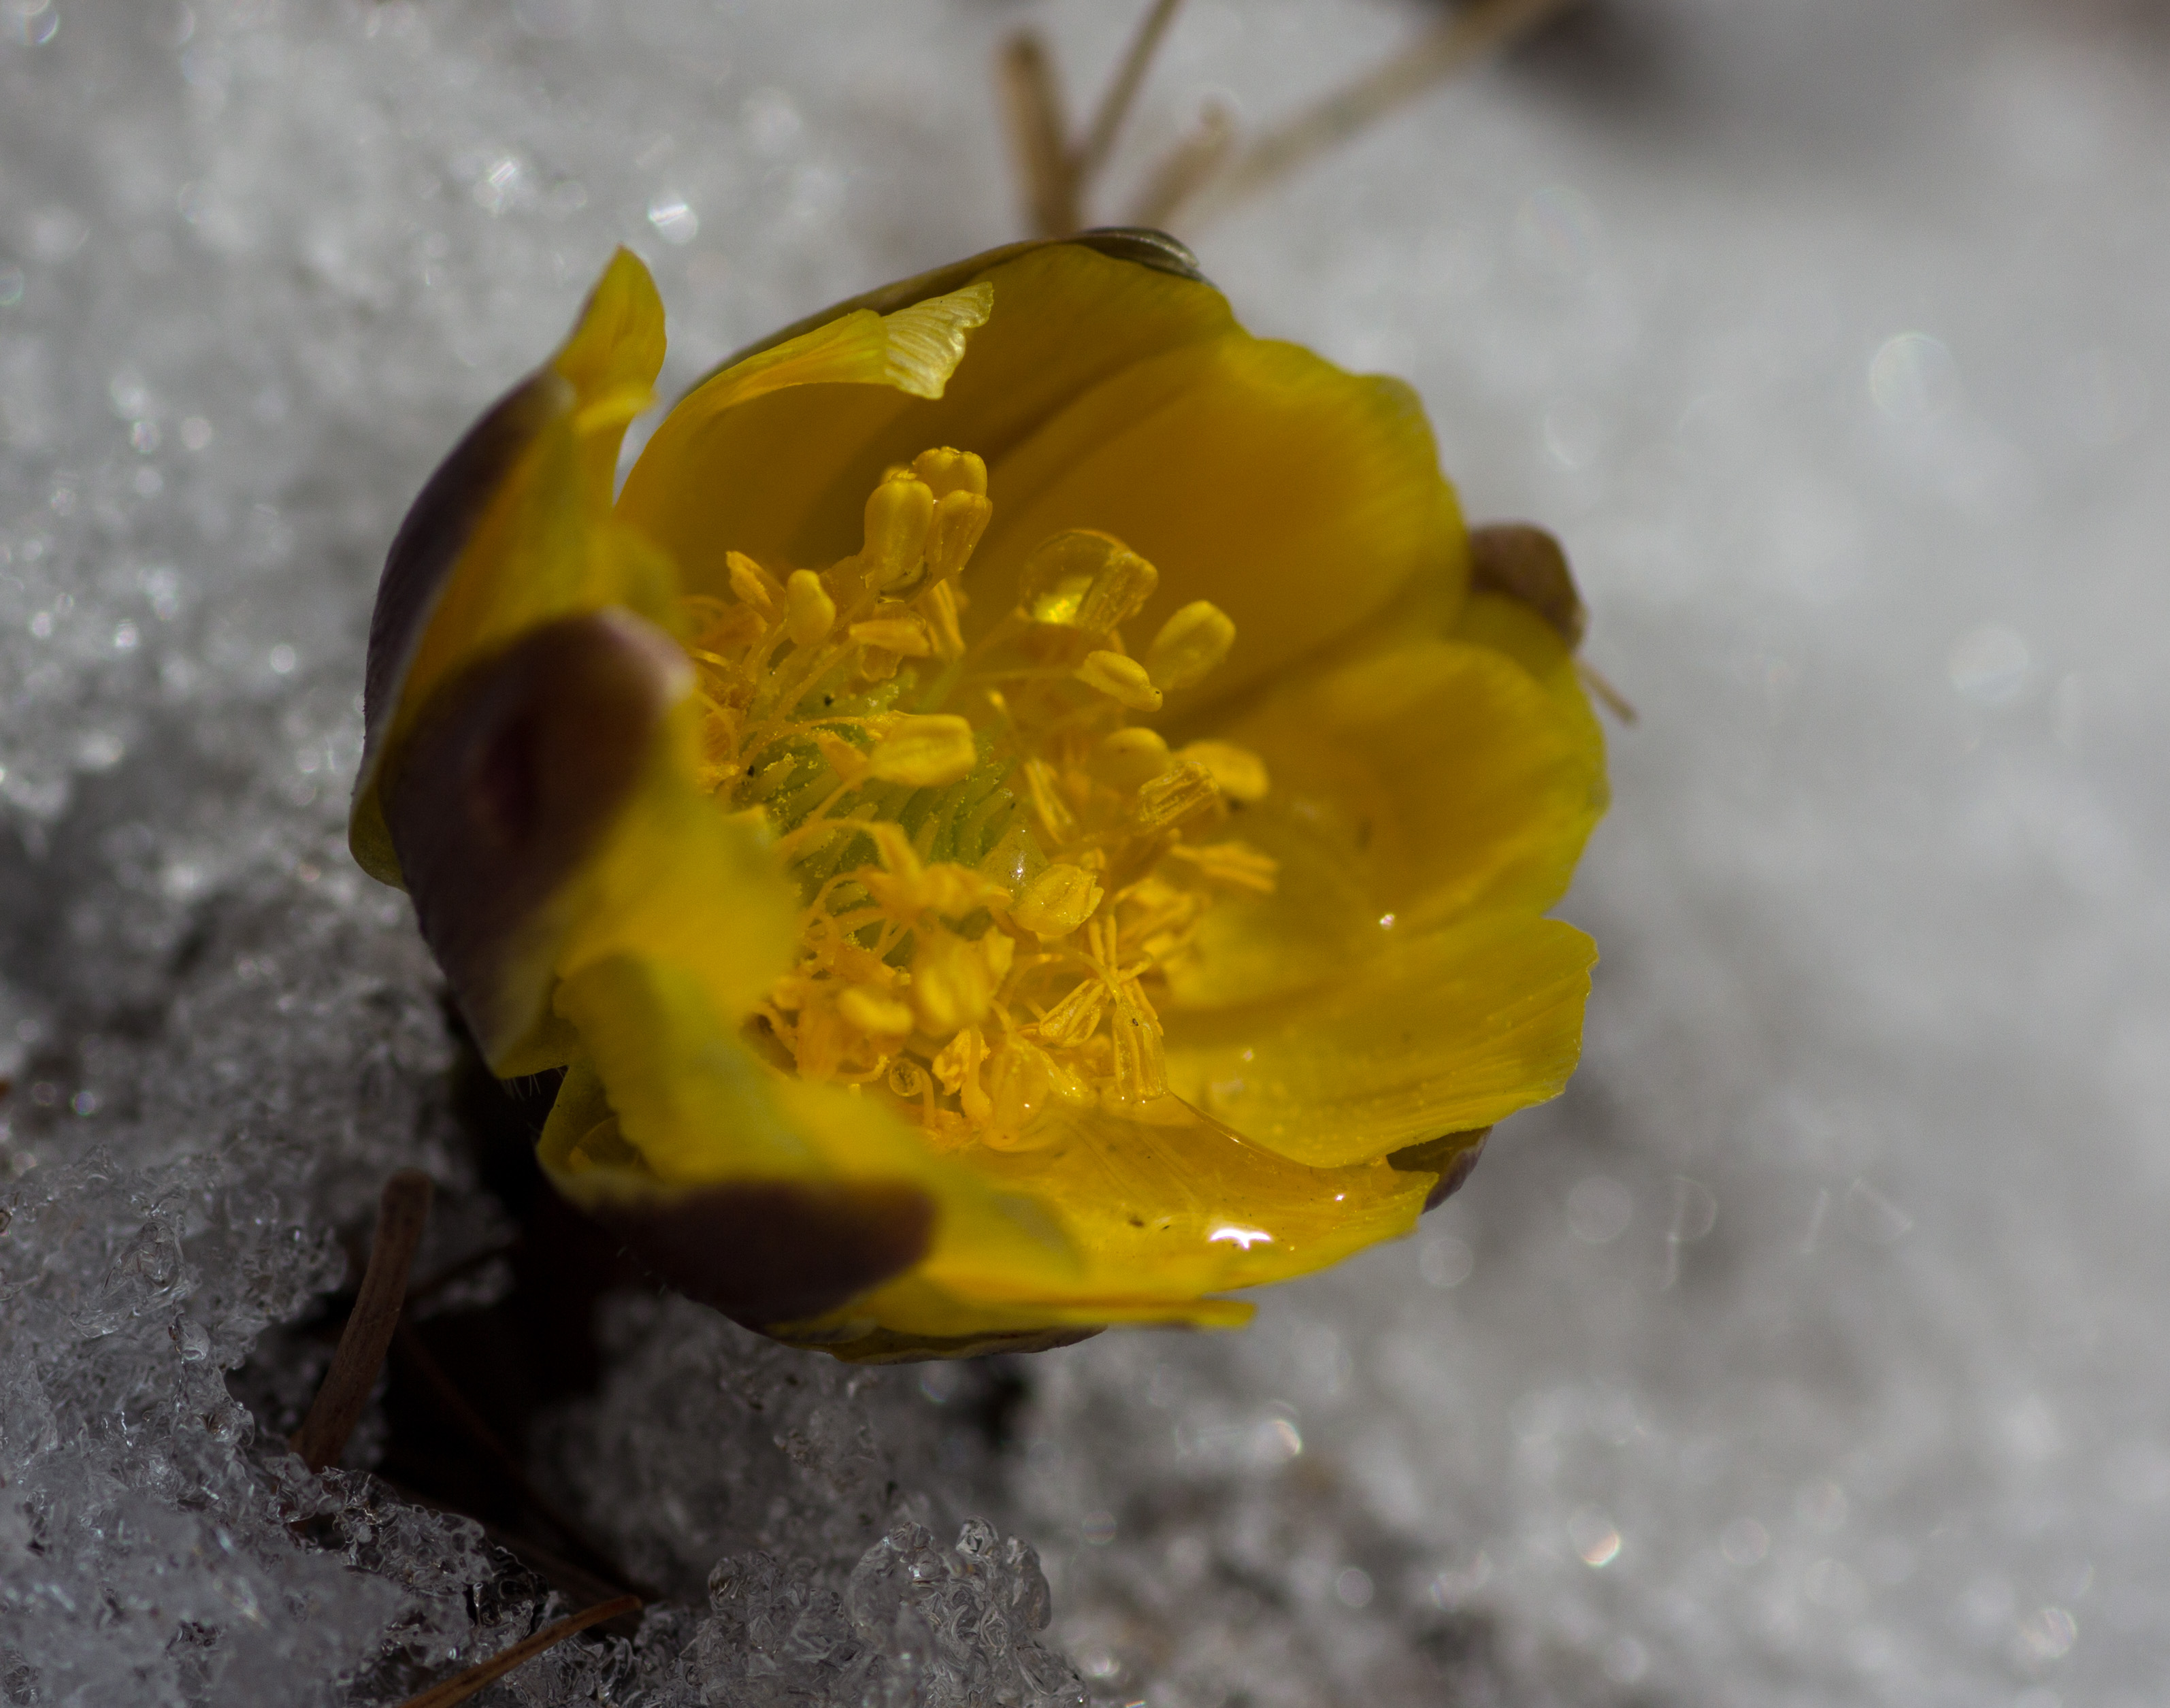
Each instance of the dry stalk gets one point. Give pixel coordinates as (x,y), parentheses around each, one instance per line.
(458,1689)
(402,1212)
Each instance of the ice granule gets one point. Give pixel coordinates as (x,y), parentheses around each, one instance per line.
(708,1440)
(915,1625)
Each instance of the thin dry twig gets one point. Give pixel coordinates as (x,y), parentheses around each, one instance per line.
(1056,175)
(1032,103)
(458,1689)
(1187,167)
(1614,701)
(472,1424)
(1122,90)
(402,1212)
(1450,47)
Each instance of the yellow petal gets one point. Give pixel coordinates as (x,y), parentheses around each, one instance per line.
(697,1109)
(1167,1208)
(513,529)
(781,475)
(1454,1030)
(611,362)
(1297,498)
(757,1247)
(1412,786)
(520,773)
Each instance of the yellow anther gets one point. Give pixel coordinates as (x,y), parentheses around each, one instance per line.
(1189,645)
(848,762)
(725,628)
(1131,757)
(946,471)
(810,613)
(1057,901)
(893,849)
(1022,1081)
(875,1012)
(1086,580)
(905,635)
(898,511)
(1174,795)
(958,1067)
(1076,1017)
(753,583)
(1237,864)
(1122,680)
(1237,772)
(945,888)
(959,519)
(951,983)
(954,891)
(938,605)
(1141,1062)
(925,751)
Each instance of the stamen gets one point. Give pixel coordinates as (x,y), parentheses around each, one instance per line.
(812,613)
(925,752)
(1085,581)
(897,515)
(946,471)
(959,519)
(1058,901)
(1190,645)
(995,880)
(1122,680)
(754,585)
(1131,757)
(1236,772)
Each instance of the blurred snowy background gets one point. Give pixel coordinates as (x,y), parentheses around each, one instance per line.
(1814,1349)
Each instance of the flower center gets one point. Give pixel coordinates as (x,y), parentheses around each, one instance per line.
(997,869)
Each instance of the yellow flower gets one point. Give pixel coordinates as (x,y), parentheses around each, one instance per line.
(1015,819)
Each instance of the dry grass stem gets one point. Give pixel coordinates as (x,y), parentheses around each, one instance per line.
(1122,91)
(1186,168)
(1032,103)
(459,1689)
(402,1212)
(1614,701)
(1055,175)
(470,1422)
(1450,47)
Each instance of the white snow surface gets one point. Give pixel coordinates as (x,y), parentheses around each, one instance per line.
(1810,1350)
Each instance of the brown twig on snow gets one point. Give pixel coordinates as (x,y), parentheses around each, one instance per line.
(1186,169)
(456,1406)
(458,1689)
(402,1212)
(1611,697)
(1122,90)
(1032,102)
(1054,174)
(1449,47)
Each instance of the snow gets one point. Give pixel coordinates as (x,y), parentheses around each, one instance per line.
(1805,1352)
